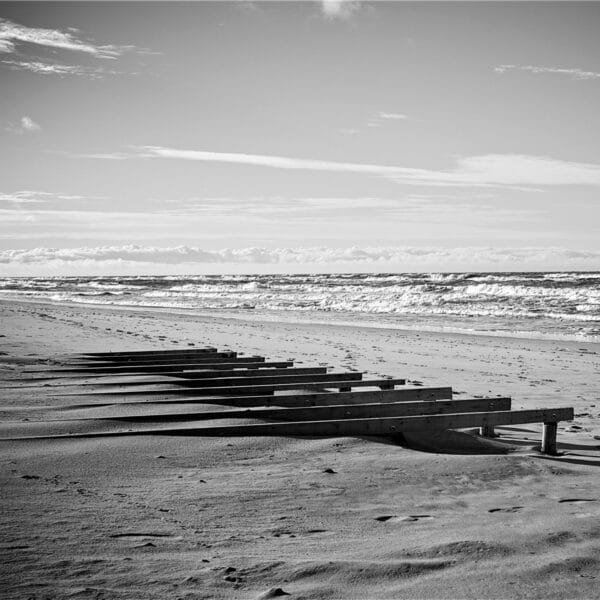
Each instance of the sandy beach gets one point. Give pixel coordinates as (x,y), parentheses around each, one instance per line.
(188,517)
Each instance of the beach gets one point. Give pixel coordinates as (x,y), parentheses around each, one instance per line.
(188,517)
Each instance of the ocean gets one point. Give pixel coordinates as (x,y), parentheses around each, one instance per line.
(529,305)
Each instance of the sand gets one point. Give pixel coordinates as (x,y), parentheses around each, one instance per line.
(185,517)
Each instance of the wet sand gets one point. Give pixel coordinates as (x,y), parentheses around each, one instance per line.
(186,517)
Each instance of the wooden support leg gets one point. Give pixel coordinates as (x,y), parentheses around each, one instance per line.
(549,438)
(487,431)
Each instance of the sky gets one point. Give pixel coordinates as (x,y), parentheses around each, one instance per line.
(208,137)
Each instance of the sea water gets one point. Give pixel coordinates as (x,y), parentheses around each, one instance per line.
(562,305)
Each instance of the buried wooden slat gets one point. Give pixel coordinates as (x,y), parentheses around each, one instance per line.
(137,353)
(216,374)
(384,426)
(148,360)
(325,413)
(249,390)
(260,377)
(159,370)
(294,400)
(175,363)
(199,378)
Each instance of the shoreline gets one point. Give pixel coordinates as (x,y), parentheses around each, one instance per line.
(271,317)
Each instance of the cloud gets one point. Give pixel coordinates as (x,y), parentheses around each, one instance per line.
(490,170)
(11,34)
(34,197)
(42,68)
(137,258)
(25,125)
(392,116)
(339,9)
(25,197)
(378,119)
(573,73)
(28,124)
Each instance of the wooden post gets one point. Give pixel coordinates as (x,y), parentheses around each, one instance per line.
(487,431)
(549,438)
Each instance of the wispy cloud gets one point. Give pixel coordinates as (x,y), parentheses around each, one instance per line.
(573,73)
(339,9)
(490,170)
(12,34)
(25,197)
(44,68)
(392,116)
(382,116)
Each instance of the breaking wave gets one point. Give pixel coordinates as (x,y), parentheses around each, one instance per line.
(562,305)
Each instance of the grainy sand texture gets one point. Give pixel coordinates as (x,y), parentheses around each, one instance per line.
(321,518)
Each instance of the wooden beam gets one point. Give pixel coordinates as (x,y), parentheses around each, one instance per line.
(138,353)
(385,426)
(160,370)
(300,400)
(250,390)
(325,413)
(148,360)
(239,378)
(208,374)
(174,363)
(382,426)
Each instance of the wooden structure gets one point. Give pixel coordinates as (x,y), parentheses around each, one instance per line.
(285,400)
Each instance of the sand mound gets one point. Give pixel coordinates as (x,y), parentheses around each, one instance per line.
(452,442)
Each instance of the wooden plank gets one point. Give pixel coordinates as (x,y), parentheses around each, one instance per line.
(150,359)
(384,426)
(291,400)
(215,371)
(162,370)
(207,373)
(241,378)
(325,413)
(250,390)
(172,351)
(175,363)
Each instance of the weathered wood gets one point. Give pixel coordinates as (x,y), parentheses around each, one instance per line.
(176,364)
(348,427)
(241,378)
(148,360)
(549,437)
(160,370)
(212,374)
(217,371)
(487,431)
(299,400)
(172,351)
(250,390)
(325,413)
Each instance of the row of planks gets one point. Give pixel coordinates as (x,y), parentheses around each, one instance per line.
(285,400)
